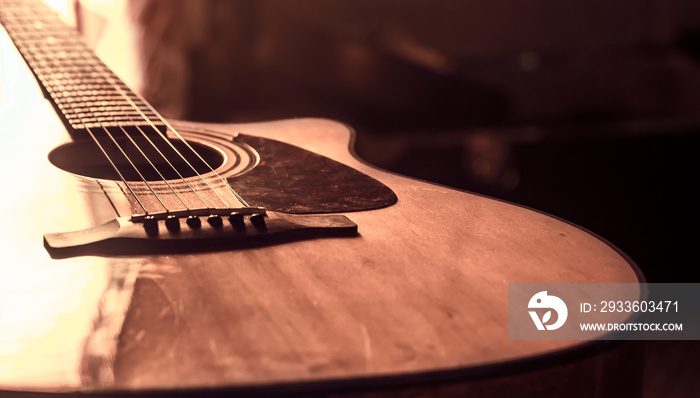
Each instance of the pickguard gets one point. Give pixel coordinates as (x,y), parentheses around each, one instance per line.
(290,179)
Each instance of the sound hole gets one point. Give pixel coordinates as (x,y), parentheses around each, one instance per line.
(171,161)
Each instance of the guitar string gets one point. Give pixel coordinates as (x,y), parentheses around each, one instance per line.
(32,59)
(150,163)
(116,168)
(114,82)
(211,169)
(155,168)
(131,161)
(98,67)
(95,65)
(143,133)
(101,70)
(192,150)
(163,136)
(133,193)
(114,165)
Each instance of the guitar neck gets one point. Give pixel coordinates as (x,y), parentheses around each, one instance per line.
(84,91)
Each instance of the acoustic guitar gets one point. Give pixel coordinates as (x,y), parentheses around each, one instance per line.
(141,254)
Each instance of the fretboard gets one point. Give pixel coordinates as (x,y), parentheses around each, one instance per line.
(85,92)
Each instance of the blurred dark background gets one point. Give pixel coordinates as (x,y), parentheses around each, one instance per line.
(588,110)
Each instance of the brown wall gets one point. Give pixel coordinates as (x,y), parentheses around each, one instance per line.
(368,61)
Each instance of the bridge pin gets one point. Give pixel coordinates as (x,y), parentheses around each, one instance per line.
(150,224)
(194,222)
(259,221)
(237,222)
(172,223)
(215,221)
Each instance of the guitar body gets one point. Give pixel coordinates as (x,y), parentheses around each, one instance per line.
(418,295)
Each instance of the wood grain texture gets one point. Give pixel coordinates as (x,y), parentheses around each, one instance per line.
(423,288)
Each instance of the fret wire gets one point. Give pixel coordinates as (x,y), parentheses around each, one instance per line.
(74,82)
(17,41)
(139,112)
(143,179)
(69,85)
(180,154)
(116,168)
(148,121)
